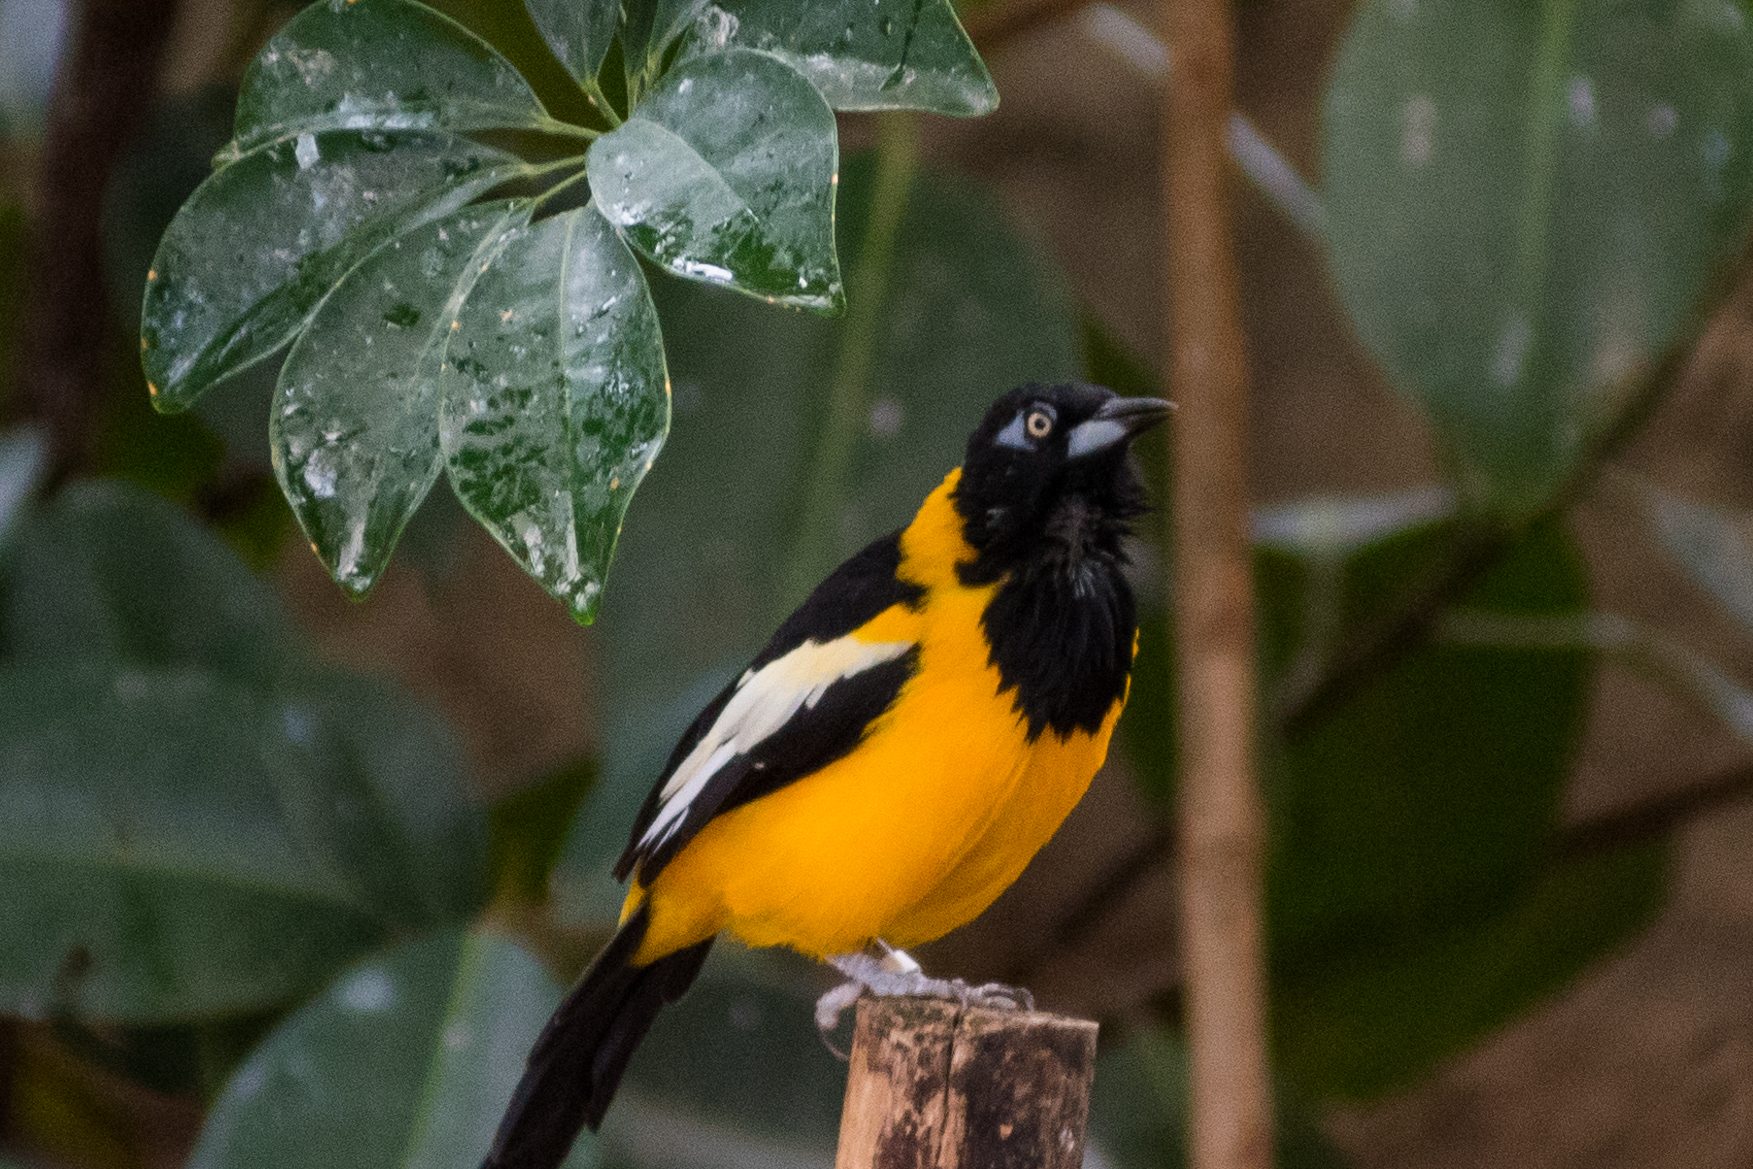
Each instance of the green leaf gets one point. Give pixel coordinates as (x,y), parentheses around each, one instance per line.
(354,427)
(861,54)
(1412,826)
(23,459)
(649,26)
(1442,776)
(261,242)
(1381,1014)
(202,821)
(1713,545)
(726,173)
(1528,205)
(579,32)
(152,874)
(375,785)
(702,571)
(106,570)
(181,844)
(554,399)
(1425,803)
(378,65)
(408,1059)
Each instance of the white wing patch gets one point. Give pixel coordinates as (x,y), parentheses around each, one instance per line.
(765,700)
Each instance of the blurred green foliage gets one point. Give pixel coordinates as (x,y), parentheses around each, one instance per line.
(201,820)
(244,876)
(408,1058)
(1522,240)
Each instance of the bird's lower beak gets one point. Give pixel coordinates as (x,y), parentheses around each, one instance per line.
(1114,424)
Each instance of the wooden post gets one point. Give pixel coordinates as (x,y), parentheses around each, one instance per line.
(934,1085)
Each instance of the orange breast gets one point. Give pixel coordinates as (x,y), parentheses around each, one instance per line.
(1057,774)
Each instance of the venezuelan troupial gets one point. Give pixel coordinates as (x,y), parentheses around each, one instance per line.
(890,762)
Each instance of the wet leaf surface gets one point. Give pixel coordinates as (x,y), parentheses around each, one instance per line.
(555,399)
(407,1059)
(578,31)
(261,242)
(354,427)
(1528,204)
(378,65)
(861,54)
(726,173)
(648,27)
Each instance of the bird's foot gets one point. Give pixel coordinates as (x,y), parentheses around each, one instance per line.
(834,1004)
(897,975)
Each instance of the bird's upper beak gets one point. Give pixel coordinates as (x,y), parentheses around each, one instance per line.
(1115,423)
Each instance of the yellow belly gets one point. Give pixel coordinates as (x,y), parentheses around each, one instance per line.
(911,835)
(1054,780)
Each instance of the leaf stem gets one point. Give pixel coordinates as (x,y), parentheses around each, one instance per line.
(593,93)
(818,537)
(569,181)
(537,170)
(561,129)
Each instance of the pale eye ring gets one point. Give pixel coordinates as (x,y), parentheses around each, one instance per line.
(1039,424)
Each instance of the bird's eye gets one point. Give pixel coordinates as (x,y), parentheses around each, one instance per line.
(1039,424)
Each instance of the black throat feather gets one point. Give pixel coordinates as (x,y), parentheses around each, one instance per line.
(1062,623)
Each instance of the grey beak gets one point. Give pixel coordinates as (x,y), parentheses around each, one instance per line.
(1115,423)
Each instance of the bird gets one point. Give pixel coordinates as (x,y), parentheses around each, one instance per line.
(890,762)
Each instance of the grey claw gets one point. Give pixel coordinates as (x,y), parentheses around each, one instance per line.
(998,996)
(829,1009)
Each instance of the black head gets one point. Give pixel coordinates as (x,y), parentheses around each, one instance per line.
(1047,476)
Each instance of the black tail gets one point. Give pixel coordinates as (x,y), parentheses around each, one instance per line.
(577,1062)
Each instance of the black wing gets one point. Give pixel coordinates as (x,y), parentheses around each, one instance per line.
(804,701)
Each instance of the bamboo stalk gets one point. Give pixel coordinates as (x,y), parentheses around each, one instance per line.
(1220,822)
